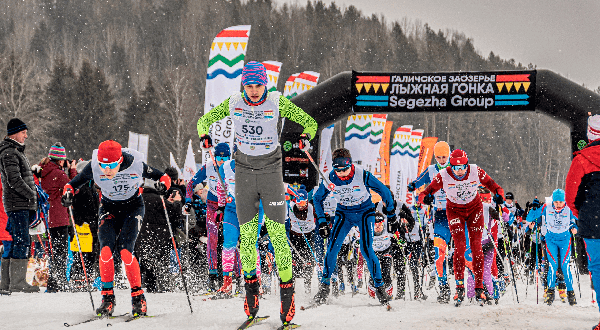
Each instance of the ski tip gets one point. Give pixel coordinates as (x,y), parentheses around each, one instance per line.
(388,307)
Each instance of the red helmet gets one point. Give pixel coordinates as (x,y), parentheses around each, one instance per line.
(459,157)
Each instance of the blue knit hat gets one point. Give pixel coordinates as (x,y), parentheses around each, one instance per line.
(558,195)
(222,150)
(254,73)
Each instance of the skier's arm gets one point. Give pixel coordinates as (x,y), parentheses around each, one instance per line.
(222,191)
(291,111)
(573,221)
(572,183)
(318,199)
(200,176)
(435,185)
(214,115)
(372,182)
(422,180)
(152,173)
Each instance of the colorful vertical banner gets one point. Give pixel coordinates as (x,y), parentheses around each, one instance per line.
(289,87)
(325,149)
(400,163)
(305,81)
(426,153)
(414,148)
(358,131)
(370,158)
(224,76)
(273,69)
(384,154)
(189,166)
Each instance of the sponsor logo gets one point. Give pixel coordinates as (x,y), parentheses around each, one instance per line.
(277,203)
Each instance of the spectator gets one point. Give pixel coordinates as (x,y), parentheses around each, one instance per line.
(53,180)
(176,182)
(20,203)
(6,241)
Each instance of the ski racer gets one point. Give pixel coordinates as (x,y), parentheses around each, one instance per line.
(119,172)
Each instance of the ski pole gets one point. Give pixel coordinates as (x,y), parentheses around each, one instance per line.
(576,266)
(330,185)
(509,257)
(176,252)
(87,282)
(537,270)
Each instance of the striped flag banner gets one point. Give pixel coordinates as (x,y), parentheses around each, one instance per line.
(358,131)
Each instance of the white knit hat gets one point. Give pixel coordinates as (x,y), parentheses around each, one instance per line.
(593,131)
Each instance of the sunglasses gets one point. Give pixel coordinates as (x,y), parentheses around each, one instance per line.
(459,167)
(221,159)
(341,169)
(111,166)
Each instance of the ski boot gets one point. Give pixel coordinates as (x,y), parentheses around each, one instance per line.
(496,294)
(571,298)
(562,293)
(459,297)
(549,297)
(342,288)
(335,290)
(419,295)
(383,297)
(213,282)
(354,289)
(360,283)
(225,291)
(288,306)
(239,285)
(482,297)
(108,303)
(321,296)
(597,327)
(138,302)
(431,282)
(444,297)
(251,301)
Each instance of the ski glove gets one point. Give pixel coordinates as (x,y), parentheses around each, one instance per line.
(498,199)
(206,142)
(411,187)
(219,214)
(405,213)
(428,200)
(323,230)
(303,142)
(536,204)
(392,223)
(67,197)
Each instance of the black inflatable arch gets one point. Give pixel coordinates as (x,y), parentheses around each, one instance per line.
(550,93)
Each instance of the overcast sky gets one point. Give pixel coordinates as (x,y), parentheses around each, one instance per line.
(559,35)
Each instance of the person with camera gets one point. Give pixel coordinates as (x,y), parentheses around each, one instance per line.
(53,180)
(119,172)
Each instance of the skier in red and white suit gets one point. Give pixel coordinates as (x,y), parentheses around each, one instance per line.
(464,208)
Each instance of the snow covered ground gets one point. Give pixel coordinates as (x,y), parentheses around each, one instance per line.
(50,311)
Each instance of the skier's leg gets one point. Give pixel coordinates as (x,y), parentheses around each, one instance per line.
(592,247)
(553,253)
(212,234)
(366,246)
(457,229)
(474,223)
(565,253)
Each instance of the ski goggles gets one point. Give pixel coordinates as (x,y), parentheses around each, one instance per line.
(341,169)
(222,158)
(459,167)
(111,166)
(301,202)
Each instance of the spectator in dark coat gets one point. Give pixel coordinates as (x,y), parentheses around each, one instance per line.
(582,195)
(20,202)
(53,180)
(154,244)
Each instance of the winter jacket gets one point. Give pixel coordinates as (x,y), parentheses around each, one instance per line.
(53,181)
(582,191)
(4,235)
(18,189)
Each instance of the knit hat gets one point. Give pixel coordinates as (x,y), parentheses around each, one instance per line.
(109,151)
(593,130)
(459,157)
(558,195)
(57,151)
(222,150)
(254,73)
(441,149)
(14,126)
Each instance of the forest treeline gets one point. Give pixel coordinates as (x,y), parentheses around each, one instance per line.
(82,71)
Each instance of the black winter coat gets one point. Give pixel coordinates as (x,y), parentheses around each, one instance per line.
(154,227)
(18,188)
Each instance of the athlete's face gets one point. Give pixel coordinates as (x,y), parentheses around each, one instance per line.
(459,172)
(111,172)
(559,205)
(441,159)
(254,91)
